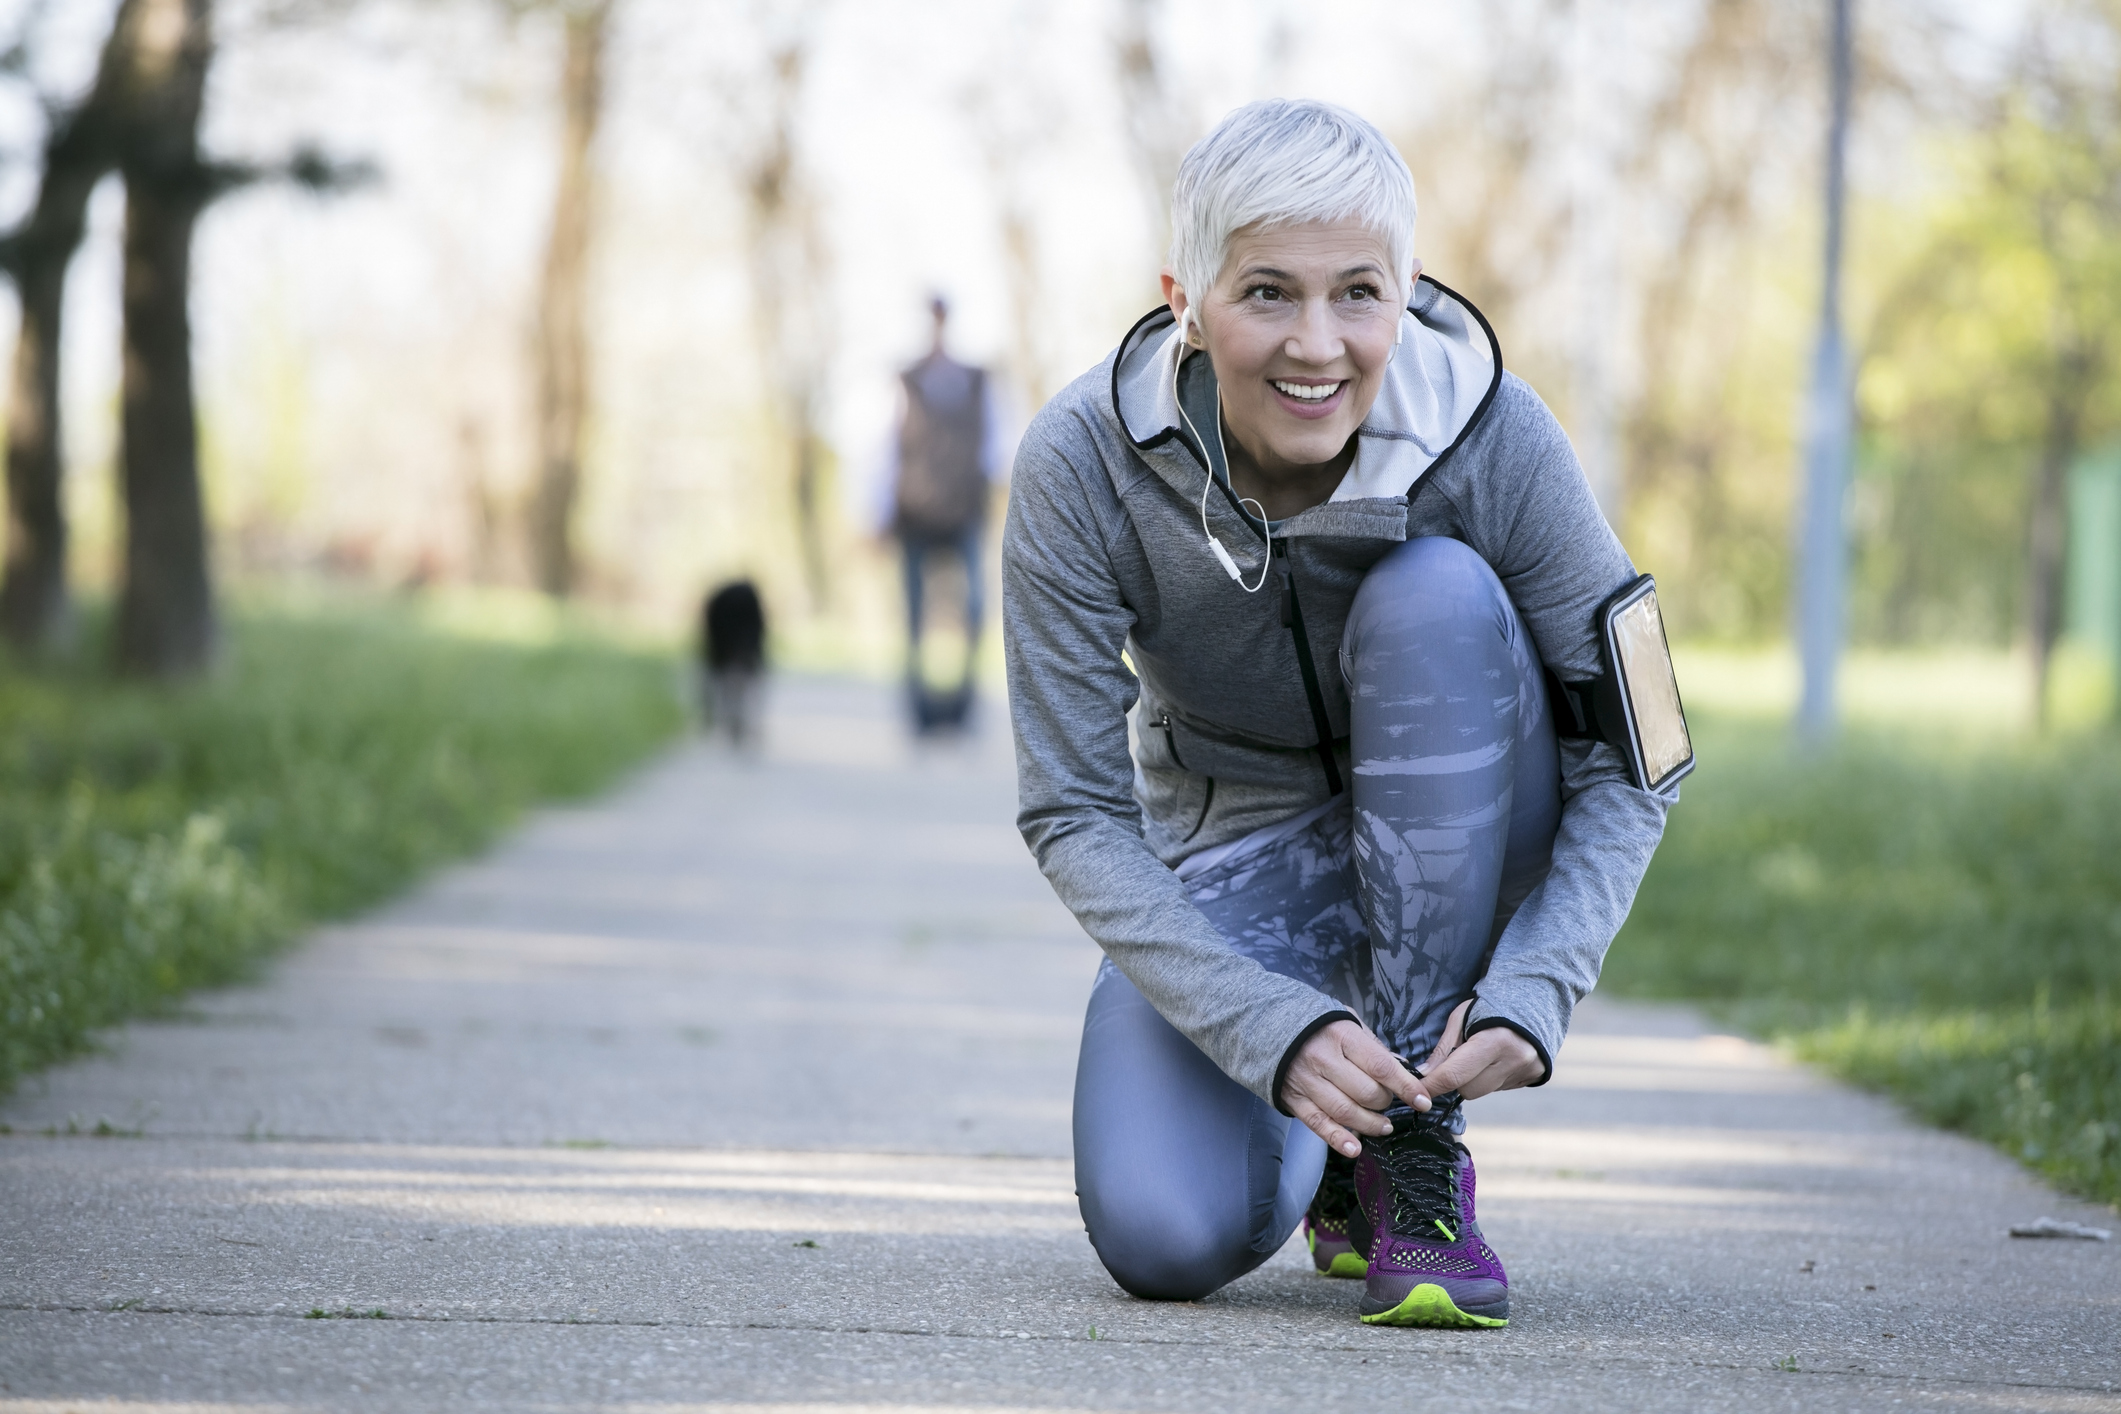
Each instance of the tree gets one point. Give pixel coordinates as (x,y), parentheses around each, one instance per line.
(140,118)
(80,148)
(2058,165)
(788,262)
(563,338)
(1159,127)
(1996,350)
(1011,115)
(165,624)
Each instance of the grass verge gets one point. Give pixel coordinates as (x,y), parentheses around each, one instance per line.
(156,839)
(1934,917)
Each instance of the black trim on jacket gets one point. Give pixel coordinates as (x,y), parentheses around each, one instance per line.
(1288,1057)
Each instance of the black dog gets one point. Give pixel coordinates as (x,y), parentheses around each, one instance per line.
(732,657)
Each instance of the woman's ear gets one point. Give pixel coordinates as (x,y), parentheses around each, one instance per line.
(1182,308)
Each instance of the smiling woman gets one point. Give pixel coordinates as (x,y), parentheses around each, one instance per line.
(1353,899)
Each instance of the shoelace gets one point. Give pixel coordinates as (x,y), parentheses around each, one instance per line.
(1419,1159)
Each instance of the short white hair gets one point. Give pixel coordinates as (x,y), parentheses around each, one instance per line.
(1285,162)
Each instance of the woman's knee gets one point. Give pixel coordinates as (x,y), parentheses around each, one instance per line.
(1425,581)
(1163,1162)
(1168,1251)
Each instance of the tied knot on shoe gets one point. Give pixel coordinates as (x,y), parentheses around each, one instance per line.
(1419,1159)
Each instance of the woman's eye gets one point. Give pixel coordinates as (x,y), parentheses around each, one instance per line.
(1266,292)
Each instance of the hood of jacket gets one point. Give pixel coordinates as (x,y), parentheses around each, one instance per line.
(1443,375)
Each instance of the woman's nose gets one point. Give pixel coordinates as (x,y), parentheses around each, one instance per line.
(1317,337)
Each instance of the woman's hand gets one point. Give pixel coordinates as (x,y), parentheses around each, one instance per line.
(1343,1077)
(1495,1059)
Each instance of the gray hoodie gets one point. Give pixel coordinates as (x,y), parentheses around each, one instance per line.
(1113,604)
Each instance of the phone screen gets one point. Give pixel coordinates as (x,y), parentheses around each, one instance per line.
(1652,688)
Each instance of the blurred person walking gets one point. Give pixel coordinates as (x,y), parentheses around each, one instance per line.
(1356,889)
(947,453)
(732,660)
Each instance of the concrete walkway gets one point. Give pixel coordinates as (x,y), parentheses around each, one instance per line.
(747,1088)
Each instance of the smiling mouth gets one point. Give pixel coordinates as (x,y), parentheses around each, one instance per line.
(1308,392)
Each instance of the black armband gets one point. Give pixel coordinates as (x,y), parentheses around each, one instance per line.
(1635,705)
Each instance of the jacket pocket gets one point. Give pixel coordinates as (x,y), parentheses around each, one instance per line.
(1174,799)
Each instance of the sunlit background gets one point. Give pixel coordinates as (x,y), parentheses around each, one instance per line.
(1630,191)
(517,325)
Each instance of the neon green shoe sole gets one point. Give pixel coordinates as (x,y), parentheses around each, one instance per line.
(1344,1264)
(1430,1305)
(1348,1264)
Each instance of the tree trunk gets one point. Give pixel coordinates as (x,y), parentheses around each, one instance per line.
(33,604)
(165,610)
(563,341)
(166,613)
(1152,111)
(788,265)
(2049,530)
(78,152)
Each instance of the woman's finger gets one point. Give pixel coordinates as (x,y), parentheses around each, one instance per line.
(1495,1059)
(1388,1072)
(1336,1137)
(1344,1111)
(1352,1078)
(1324,1078)
(1454,1030)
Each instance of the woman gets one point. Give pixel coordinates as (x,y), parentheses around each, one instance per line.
(1354,891)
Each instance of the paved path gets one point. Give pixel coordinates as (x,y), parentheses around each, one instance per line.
(747,1088)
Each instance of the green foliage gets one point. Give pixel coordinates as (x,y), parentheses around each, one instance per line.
(155,839)
(1933,917)
(2043,1084)
(1993,344)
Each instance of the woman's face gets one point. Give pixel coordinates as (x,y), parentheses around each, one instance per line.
(1300,325)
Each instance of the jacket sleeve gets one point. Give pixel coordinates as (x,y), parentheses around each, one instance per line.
(1065,625)
(1530,513)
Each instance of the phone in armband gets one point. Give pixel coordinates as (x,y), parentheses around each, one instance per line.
(1635,705)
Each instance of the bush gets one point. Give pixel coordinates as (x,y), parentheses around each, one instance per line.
(1934,917)
(155,839)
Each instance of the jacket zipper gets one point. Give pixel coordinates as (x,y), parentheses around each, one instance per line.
(1292,618)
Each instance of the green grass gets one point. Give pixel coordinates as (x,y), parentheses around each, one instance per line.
(156,839)
(1928,914)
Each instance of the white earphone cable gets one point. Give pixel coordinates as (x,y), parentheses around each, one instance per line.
(1223,555)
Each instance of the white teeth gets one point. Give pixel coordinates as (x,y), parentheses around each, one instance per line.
(1308,392)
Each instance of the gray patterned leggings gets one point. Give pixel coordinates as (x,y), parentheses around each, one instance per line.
(1391,903)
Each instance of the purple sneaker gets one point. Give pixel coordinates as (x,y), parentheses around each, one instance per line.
(1338,1232)
(1428,1264)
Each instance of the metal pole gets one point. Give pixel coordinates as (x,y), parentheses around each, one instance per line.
(1828,432)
